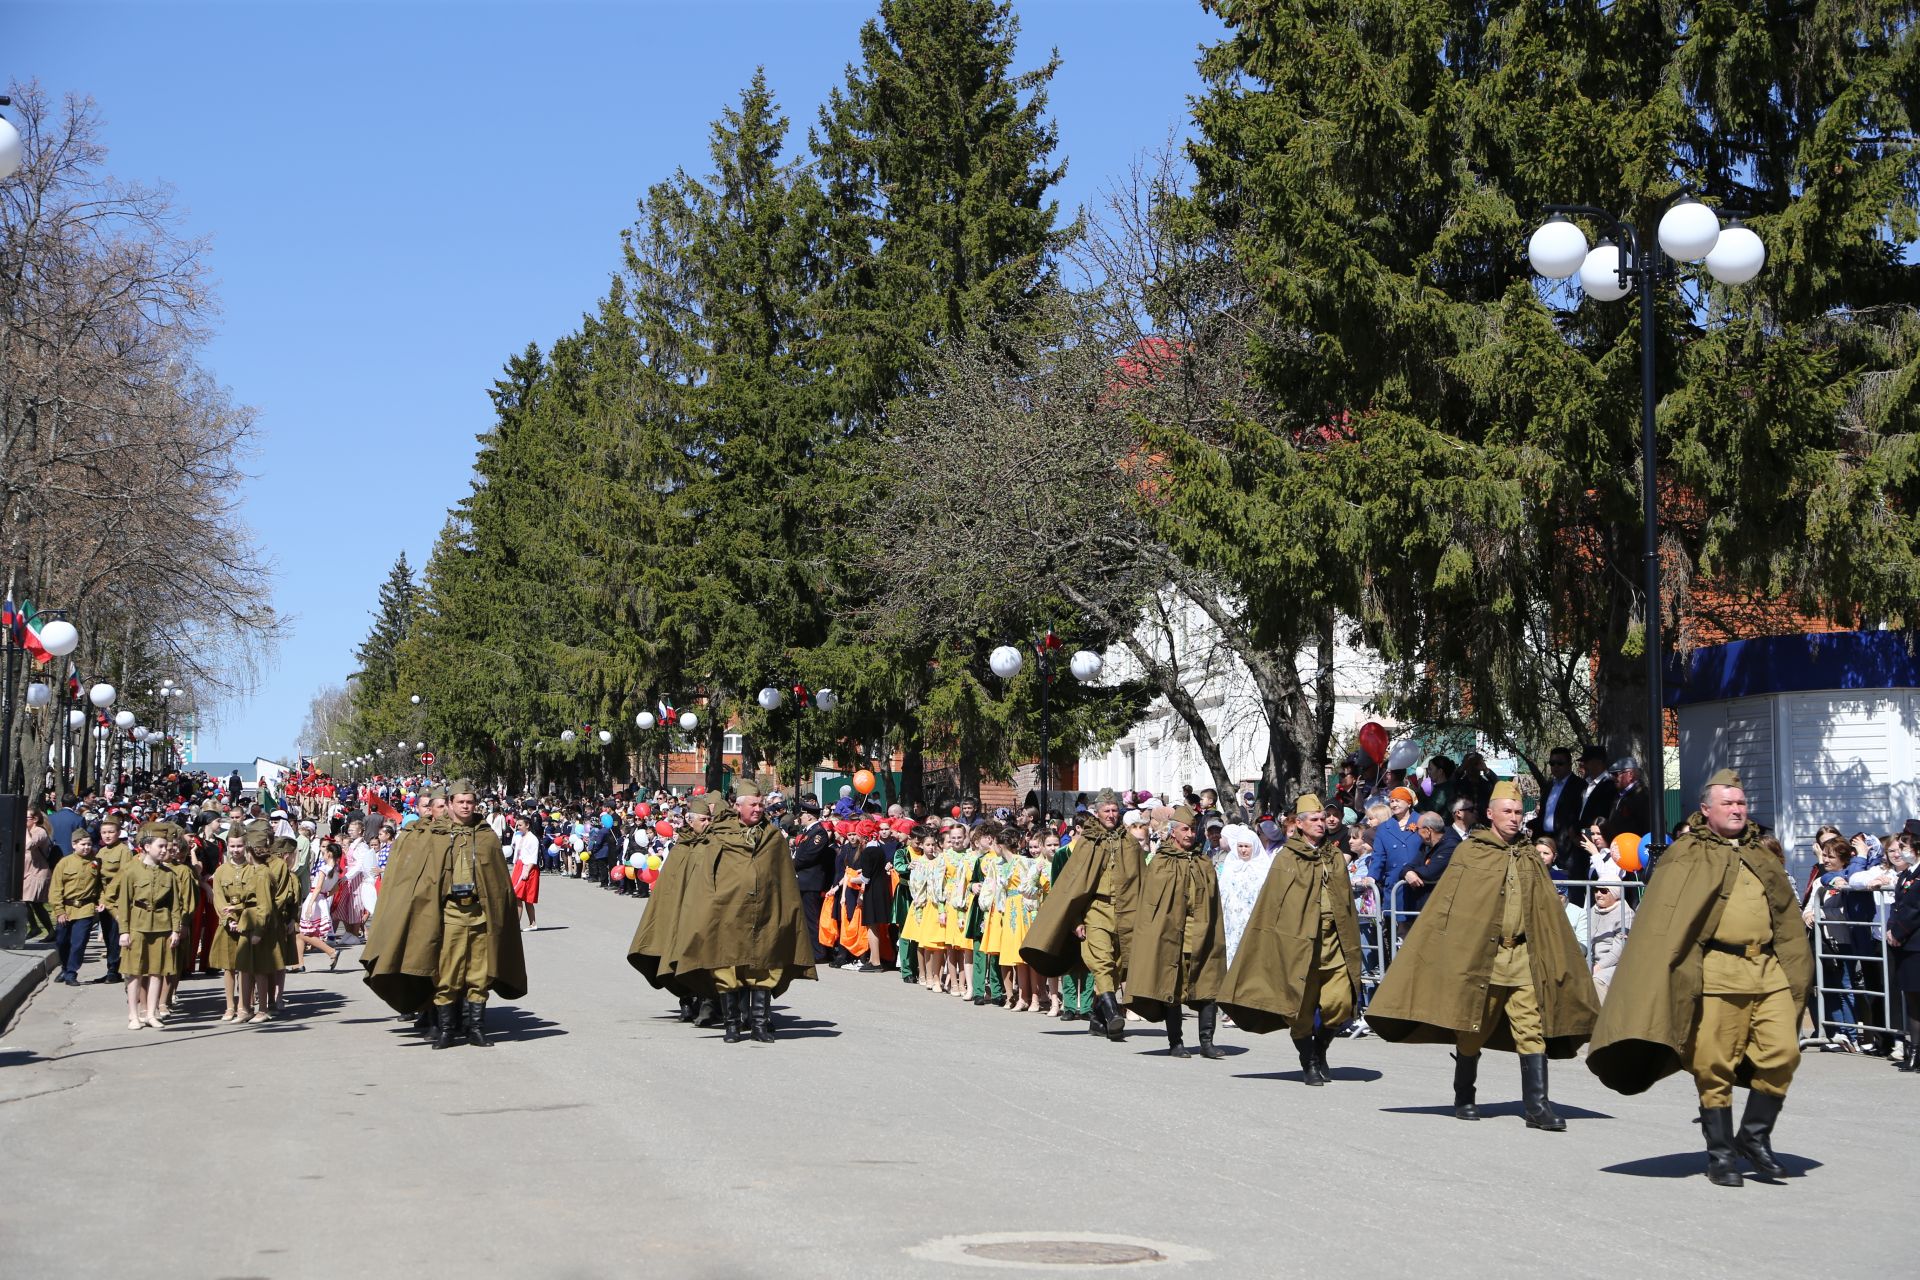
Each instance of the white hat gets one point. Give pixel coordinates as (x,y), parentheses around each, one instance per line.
(1132,817)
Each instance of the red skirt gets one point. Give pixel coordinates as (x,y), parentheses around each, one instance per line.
(526,882)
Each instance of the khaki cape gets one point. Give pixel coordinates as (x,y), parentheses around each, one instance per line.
(1177,927)
(1099,857)
(1654,1000)
(1437,984)
(403,948)
(653,937)
(1280,947)
(740,907)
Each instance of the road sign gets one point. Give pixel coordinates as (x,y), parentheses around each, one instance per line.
(426,757)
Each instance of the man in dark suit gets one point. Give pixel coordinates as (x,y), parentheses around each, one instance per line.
(1558,817)
(813,857)
(1597,804)
(1632,812)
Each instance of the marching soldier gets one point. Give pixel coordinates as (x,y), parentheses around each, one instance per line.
(1711,982)
(1300,955)
(652,946)
(1179,940)
(1491,963)
(446,932)
(1087,918)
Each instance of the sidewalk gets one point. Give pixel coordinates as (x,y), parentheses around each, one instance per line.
(22,973)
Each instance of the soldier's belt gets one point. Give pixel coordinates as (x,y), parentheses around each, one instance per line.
(1512,942)
(1751,950)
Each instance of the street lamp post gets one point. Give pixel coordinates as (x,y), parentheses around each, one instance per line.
(824,700)
(1006,662)
(1688,232)
(58,637)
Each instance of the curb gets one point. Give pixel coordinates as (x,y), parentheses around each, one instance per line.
(22,973)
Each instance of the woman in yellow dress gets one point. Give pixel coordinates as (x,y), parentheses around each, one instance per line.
(146,905)
(1028,877)
(922,927)
(953,896)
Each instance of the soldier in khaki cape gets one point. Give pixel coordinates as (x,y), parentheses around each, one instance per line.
(1087,918)
(1179,941)
(446,931)
(652,947)
(1712,981)
(1301,951)
(1492,963)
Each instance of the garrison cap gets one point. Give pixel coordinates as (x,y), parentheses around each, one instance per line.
(1504,791)
(462,787)
(1308,803)
(1184,815)
(1107,796)
(745,787)
(1725,778)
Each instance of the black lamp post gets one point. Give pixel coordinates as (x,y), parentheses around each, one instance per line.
(1006,662)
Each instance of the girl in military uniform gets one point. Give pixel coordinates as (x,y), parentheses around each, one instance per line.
(232,898)
(148,909)
(187,877)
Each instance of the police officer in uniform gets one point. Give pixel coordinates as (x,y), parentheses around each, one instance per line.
(813,858)
(1711,981)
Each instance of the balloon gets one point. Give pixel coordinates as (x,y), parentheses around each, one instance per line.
(863,782)
(663,829)
(1373,741)
(699,791)
(653,862)
(619,872)
(955,811)
(649,876)
(1404,756)
(643,810)
(1626,851)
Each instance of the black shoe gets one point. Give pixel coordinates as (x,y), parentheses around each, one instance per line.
(105,978)
(1309,1065)
(1754,1138)
(1465,1072)
(1209,1019)
(476,1024)
(1716,1124)
(689,1008)
(978,1001)
(444,1016)
(760,1014)
(1175,1016)
(423,1020)
(1321,1039)
(1068,1015)
(731,1003)
(1533,1094)
(1108,1017)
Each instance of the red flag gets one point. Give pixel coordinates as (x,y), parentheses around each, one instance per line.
(371,798)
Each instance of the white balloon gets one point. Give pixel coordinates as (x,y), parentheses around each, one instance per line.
(1737,257)
(59,638)
(1557,249)
(1403,755)
(1599,274)
(1085,665)
(12,149)
(1688,230)
(1005,661)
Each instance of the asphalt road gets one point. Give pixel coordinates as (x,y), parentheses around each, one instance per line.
(601,1138)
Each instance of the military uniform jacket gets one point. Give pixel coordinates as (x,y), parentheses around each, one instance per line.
(1102,862)
(1179,942)
(1437,984)
(1307,893)
(1654,1000)
(403,951)
(653,937)
(741,906)
(74,891)
(149,900)
(113,860)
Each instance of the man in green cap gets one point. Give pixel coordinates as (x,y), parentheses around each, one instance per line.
(1179,954)
(1711,981)
(1299,959)
(446,931)
(740,925)
(1087,917)
(652,947)
(1492,963)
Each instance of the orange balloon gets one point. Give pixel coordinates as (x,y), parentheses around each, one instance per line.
(863,782)
(1626,851)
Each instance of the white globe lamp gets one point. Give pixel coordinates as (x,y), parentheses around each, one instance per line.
(102,695)
(1688,231)
(1737,256)
(1600,274)
(1005,662)
(59,638)
(1085,665)
(1557,249)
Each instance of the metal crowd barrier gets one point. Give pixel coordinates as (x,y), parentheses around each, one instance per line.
(1397,918)
(1853,989)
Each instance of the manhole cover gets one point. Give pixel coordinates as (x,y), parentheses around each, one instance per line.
(1066,1253)
(1087,1252)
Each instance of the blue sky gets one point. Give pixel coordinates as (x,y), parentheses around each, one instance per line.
(400,195)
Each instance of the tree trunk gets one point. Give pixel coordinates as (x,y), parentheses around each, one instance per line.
(913,766)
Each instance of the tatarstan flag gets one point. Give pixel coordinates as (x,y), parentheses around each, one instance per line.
(24,625)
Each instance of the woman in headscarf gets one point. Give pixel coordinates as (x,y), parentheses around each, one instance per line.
(1242,869)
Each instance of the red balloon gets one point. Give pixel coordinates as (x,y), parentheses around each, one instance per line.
(664,829)
(956,811)
(1373,740)
(643,810)
(699,791)
(649,876)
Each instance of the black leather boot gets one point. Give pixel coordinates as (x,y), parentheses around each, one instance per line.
(423,1020)
(1321,1039)
(707,1011)
(1754,1140)
(689,1008)
(1533,1093)
(1175,1016)
(1109,1017)
(731,1003)
(1465,1072)
(760,1011)
(1716,1124)
(477,1024)
(1209,1019)
(444,1025)
(1309,1065)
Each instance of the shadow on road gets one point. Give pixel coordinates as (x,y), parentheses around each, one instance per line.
(1354,1075)
(803,1028)
(1491,1109)
(1692,1164)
